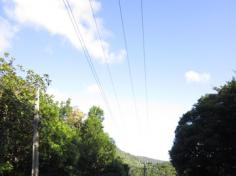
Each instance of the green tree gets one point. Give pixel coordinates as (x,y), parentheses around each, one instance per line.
(97,150)
(65,109)
(116,168)
(96,112)
(17,97)
(68,146)
(59,144)
(165,169)
(205,136)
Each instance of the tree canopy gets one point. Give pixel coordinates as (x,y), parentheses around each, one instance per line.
(69,146)
(96,148)
(205,142)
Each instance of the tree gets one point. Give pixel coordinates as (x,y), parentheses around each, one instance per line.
(65,109)
(205,142)
(17,97)
(97,150)
(59,142)
(96,112)
(75,118)
(117,168)
(68,145)
(165,169)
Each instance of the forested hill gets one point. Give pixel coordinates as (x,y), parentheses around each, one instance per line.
(152,167)
(135,160)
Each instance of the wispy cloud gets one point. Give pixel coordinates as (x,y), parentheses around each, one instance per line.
(193,76)
(7,32)
(52,16)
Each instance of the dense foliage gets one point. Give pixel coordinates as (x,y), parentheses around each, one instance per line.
(17,96)
(205,142)
(68,145)
(150,169)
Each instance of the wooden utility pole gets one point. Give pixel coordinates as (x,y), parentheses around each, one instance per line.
(35,152)
(145,169)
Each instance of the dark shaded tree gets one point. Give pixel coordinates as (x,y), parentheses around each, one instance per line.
(17,97)
(205,142)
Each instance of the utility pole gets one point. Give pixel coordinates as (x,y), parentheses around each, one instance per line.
(35,151)
(144,169)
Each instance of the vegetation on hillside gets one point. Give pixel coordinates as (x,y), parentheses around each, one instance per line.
(143,166)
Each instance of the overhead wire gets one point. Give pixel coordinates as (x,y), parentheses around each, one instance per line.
(128,59)
(86,53)
(144,62)
(99,36)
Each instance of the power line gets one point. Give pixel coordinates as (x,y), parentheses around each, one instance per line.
(99,34)
(86,53)
(144,61)
(128,60)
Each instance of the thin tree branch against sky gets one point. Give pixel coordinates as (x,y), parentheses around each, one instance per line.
(187,47)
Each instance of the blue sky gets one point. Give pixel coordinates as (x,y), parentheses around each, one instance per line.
(190,48)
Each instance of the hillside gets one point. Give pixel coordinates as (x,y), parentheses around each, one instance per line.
(136,161)
(153,167)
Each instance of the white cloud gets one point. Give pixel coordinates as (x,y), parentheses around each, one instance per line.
(193,76)
(7,31)
(93,89)
(52,16)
